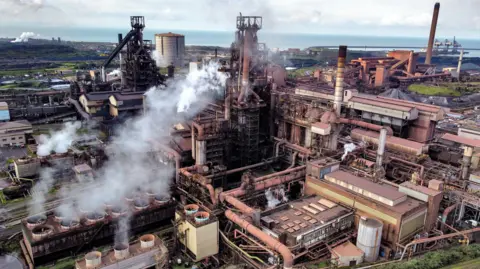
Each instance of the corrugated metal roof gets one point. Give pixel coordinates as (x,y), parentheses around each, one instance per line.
(422,189)
(374,102)
(367,185)
(347,249)
(419,106)
(461,140)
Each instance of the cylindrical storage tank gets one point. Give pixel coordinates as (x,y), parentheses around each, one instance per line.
(67,224)
(170,49)
(94,217)
(147,241)
(369,237)
(141,204)
(121,251)
(93,259)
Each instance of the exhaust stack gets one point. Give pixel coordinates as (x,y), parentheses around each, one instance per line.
(433,28)
(381,147)
(338,97)
(467,161)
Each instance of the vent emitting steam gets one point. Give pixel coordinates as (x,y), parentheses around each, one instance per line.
(59,142)
(347,148)
(24,37)
(133,164)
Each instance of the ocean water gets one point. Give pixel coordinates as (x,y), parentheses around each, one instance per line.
(273,40)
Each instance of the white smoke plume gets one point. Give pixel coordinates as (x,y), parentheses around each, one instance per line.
(274,200)
(135,165)
(347,148)
(60,141)
(24,37)
(123,230)
(115,73)
(40,190)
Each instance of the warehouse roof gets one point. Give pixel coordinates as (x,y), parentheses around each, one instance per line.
(461,140)
(422,189)
(374,102)
(301,216)
(97,96)
(366,187)
(347,249)
(122,96)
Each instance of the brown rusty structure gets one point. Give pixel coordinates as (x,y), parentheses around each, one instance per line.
(277,172)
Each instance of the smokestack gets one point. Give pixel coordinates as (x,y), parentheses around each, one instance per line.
(338,98)
(411,65)
(381,147)
(459,63)
(215,53)
(246,64)
(467,158)
(120,38)
(431,39)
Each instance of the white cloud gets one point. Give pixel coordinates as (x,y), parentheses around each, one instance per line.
(407,17)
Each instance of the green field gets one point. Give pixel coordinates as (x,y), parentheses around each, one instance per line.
(473,264)
(433,90)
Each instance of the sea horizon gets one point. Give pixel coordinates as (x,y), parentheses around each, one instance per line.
(271,39)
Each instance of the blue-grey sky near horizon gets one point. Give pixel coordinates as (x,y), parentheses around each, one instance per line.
(343,17)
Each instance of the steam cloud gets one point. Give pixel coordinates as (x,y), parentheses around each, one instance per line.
(273,201)
(347,148)
(41,189)
(59,142)
(135,166)
(24,37)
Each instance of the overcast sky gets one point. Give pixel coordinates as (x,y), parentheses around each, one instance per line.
(352,17)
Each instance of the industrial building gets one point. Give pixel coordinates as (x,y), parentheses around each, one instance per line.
(279,173)
(13,133)
(170,48)
(149,251)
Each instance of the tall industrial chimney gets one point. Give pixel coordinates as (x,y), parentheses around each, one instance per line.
(381,147)
(120,38)
(338,97)
(459,67)
(436,10)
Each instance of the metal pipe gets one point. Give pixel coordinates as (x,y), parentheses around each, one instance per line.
(265,238)
(262,185)
(294,160)
(430,239)
(228,107)
(367,125)
(277,147)
(421,167)
(281,173)
(199,128)
(445,214)
(236,170)
(381,147)
(294,146)
(338,96)
(245,209)
(203,181)
(273,100)
(433,28)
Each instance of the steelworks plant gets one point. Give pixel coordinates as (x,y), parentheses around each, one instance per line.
(275,173)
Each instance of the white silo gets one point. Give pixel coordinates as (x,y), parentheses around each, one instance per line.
(170,48)
(369,237)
